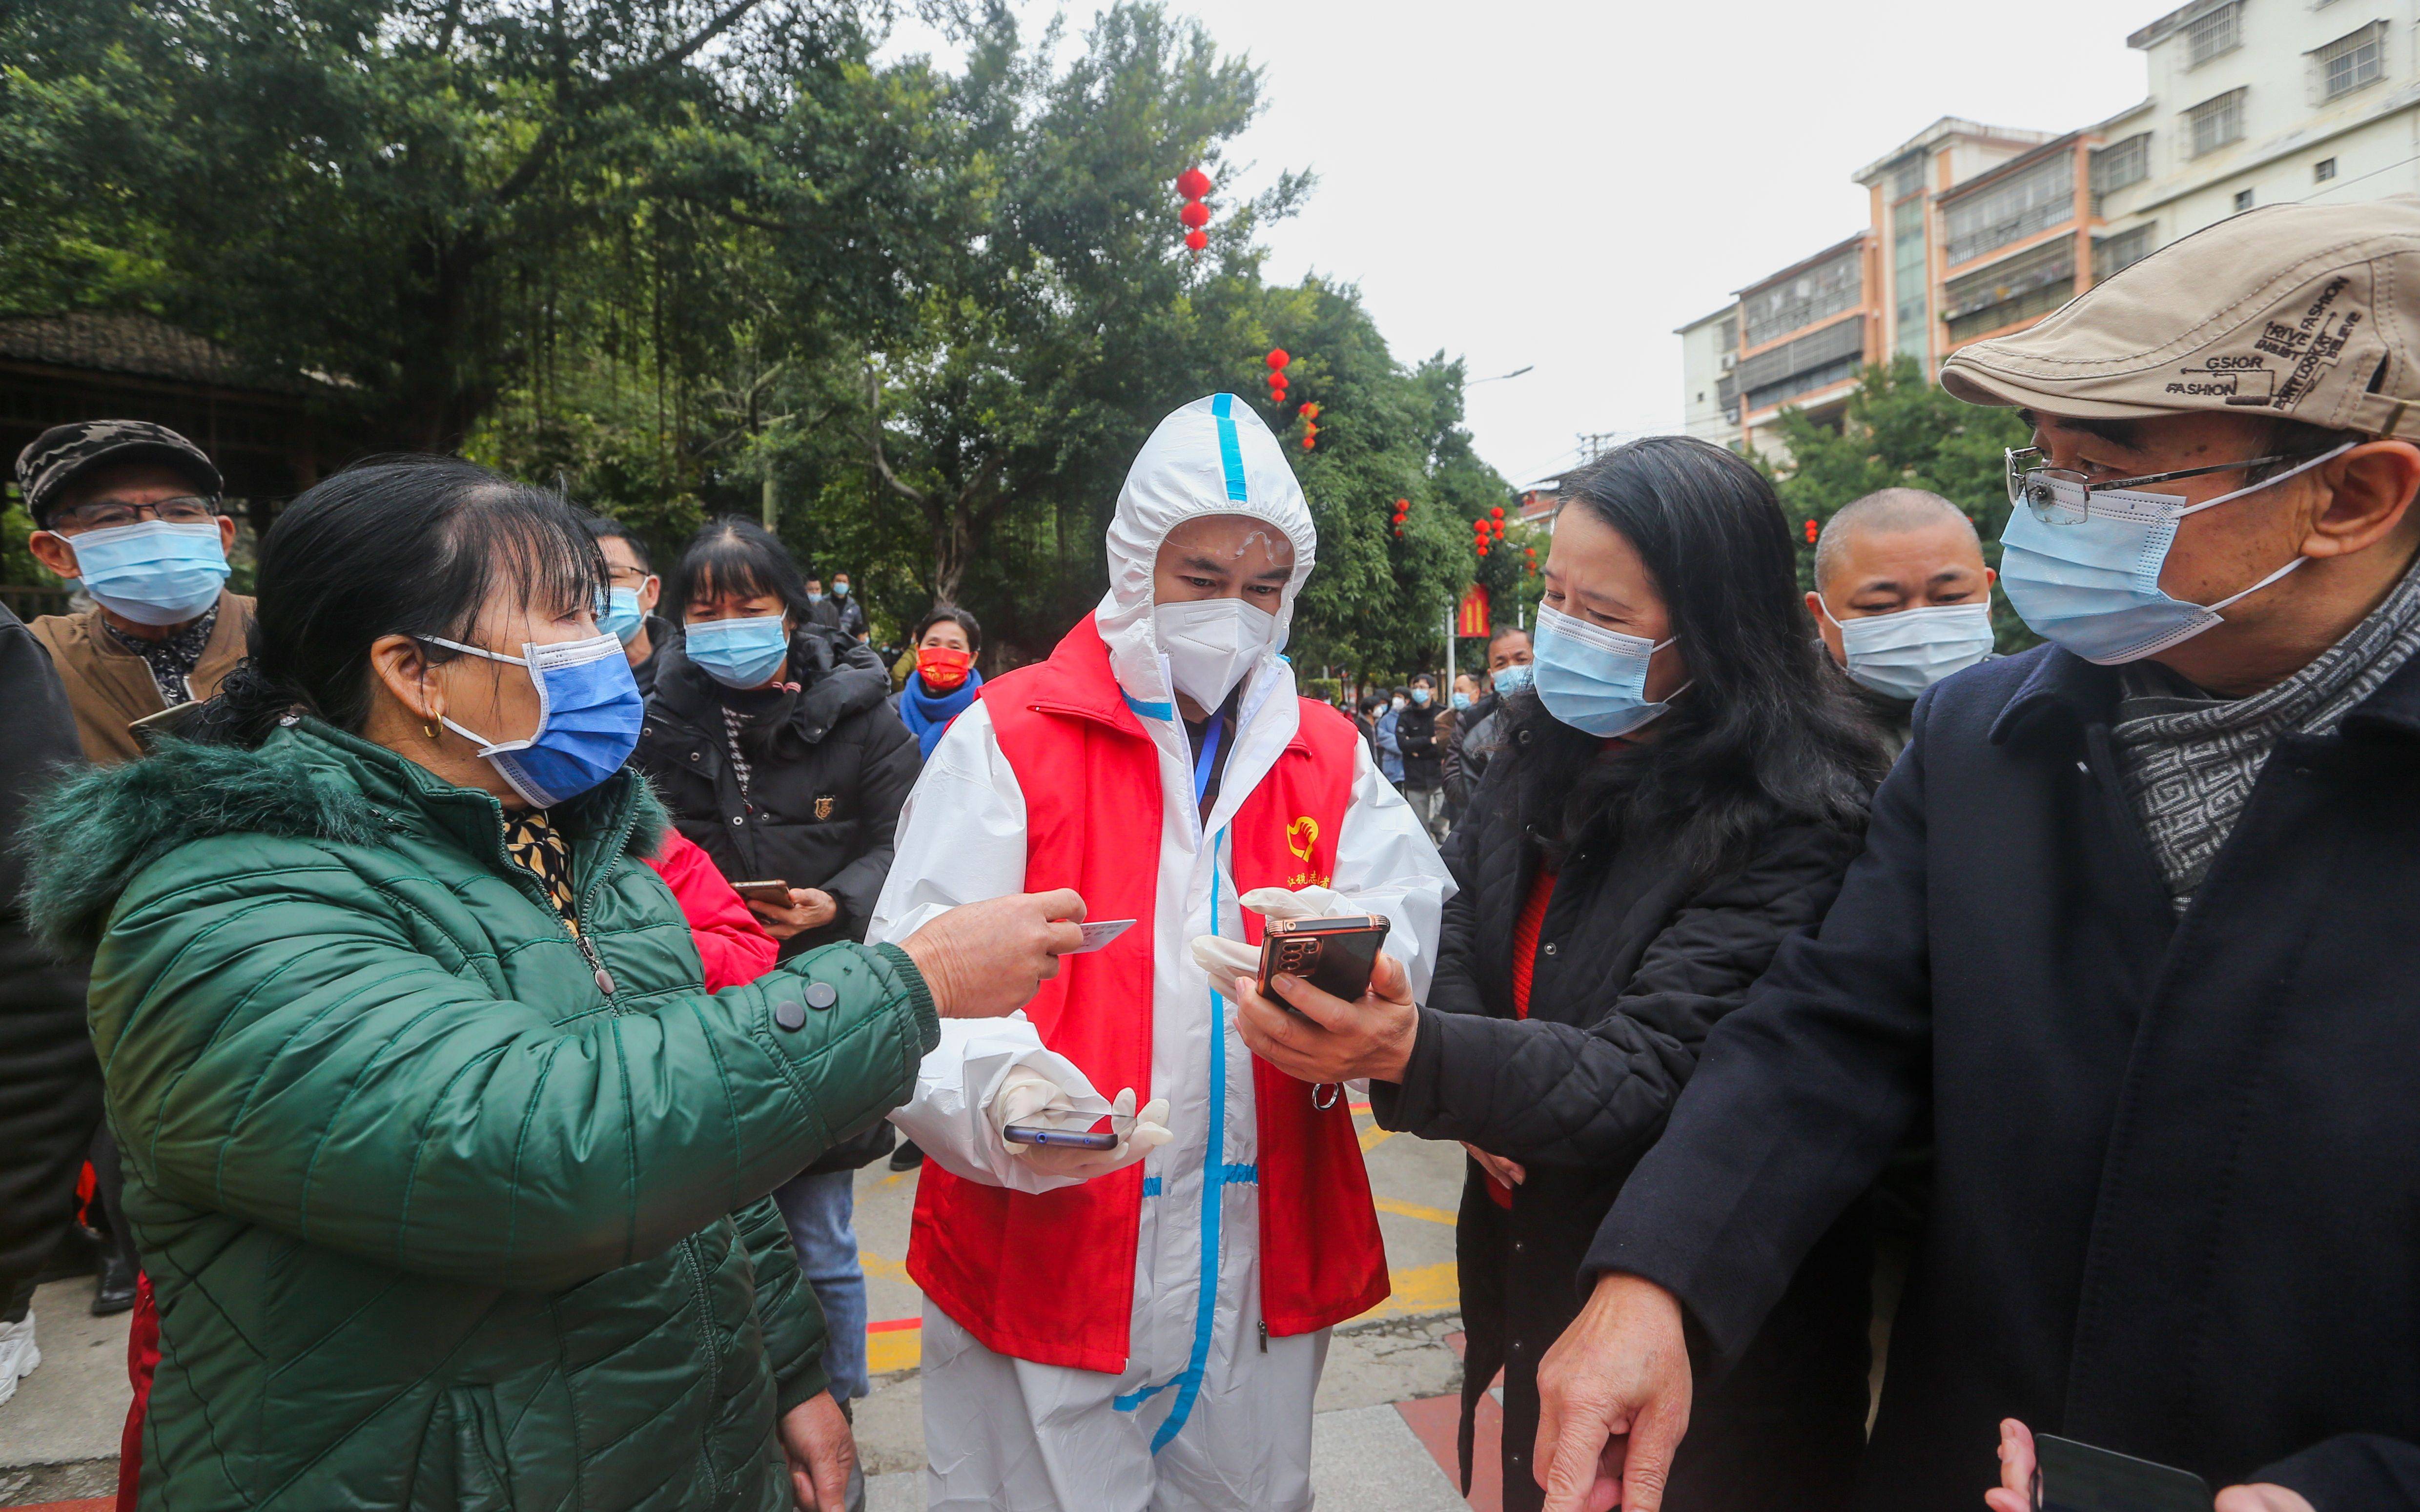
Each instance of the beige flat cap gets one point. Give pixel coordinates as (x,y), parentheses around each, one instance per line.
(2303,312)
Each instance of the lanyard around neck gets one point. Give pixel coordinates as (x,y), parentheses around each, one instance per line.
(1208,761)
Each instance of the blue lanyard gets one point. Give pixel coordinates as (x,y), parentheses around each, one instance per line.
(1208,761)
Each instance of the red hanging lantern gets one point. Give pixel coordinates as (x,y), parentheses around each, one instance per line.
(1276,358)
(1276,383)
(1310,411)
(1482,551)
(1812,530)
(1195,215)
(1196,240)
(1498,512)
(1193,184)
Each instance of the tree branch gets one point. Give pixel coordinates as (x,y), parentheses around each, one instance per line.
(874,446)
(575,102)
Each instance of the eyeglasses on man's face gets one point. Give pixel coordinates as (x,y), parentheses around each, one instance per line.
(109,514)
(2063,496)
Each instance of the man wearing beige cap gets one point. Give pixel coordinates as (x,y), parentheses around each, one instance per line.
(2136,936)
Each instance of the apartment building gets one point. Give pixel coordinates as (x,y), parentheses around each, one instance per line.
(1976,231)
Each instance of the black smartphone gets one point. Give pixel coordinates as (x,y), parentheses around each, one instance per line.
(1335,956)
(2076,1477)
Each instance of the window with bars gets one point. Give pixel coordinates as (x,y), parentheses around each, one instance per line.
(2112,253)
(2215,122)
(2017,289)
(2034,200)
(1825,289)
(2352,62)
(2121,164)
(2212,33)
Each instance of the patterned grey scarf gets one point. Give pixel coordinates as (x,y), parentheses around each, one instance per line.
(2190,758)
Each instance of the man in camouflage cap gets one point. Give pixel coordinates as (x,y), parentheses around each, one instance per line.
(2131,938)
(131,511)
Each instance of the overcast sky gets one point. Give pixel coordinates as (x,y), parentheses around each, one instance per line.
(1561,182)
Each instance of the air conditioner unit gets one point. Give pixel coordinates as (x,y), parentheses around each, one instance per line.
(1730,360)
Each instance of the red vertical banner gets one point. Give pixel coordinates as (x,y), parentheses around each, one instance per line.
(1470,616)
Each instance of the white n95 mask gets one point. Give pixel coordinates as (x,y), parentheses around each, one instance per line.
(1902,654)
(1210,643)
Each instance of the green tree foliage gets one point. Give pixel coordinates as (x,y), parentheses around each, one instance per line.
(697,256)
(1903,430)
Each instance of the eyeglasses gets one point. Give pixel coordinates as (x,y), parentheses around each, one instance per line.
(109,514)
(2062,496)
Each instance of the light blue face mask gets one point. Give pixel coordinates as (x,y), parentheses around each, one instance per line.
(621,616)
(1462,701)
(589,711)
(1510,680)
(153,573)
(1592,678)
(2081,562)
(740,652)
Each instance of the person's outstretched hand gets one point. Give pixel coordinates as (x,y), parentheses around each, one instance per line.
(1328,1039)
(2015,1493)
(1613,1400)
(983,961)
(816,1441)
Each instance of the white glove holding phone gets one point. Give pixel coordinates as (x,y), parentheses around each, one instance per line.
(1026,1098)
(1226,959)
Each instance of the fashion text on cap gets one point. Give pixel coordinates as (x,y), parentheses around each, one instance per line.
(2301,312)
(58,455)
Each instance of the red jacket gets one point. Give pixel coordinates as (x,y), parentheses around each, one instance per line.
(1090,779)
(734,947)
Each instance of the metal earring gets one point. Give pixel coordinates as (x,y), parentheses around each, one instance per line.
(428,728)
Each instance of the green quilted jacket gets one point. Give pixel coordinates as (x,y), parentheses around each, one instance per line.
(443,1207)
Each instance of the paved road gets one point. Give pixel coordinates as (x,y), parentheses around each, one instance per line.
(1385,1425)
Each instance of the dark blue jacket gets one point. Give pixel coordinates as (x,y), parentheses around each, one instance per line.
(2176,1206)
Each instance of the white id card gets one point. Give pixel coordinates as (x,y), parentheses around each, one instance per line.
(1100,931)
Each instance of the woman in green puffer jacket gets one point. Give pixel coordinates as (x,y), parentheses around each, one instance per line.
(450,1176)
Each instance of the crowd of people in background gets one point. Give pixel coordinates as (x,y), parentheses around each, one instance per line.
(475,967)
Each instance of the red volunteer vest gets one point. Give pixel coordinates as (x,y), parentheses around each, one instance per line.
(1050,1278)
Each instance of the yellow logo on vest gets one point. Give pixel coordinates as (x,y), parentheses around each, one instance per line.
(1302,836)
(824,804)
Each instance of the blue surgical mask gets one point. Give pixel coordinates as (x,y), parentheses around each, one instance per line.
(740,652)
(1462,701)
(1592,678)
(153,573)
(814,596)
(1421,696)
(2087,577)
(589,711)
(1902,654)
(840,590)
(621,616)
(1508,680)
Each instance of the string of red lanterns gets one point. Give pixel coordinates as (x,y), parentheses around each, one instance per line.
(1310,426)
(1402,513)
(1276,361)
(1194,186)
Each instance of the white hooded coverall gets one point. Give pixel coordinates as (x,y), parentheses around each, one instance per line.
(1210,1413)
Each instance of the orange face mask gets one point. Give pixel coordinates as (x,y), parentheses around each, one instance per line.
(942,669)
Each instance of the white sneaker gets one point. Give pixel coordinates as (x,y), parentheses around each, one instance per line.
(19,1354)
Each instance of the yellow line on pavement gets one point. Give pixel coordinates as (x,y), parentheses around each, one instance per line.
(1413,1210)
(1373,1136)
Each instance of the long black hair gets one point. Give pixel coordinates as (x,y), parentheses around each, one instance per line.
(739,558)
(1761,738)
(391,546)
(955,615)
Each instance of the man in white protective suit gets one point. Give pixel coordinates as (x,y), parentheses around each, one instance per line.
(1143,1326)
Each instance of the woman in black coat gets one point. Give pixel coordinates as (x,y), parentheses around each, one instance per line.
(1681,789)
(771,740)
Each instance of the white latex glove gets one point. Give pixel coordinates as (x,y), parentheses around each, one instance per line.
(1026,1098)
(1226,959)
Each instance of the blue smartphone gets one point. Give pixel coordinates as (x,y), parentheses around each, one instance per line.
(1026,1133)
